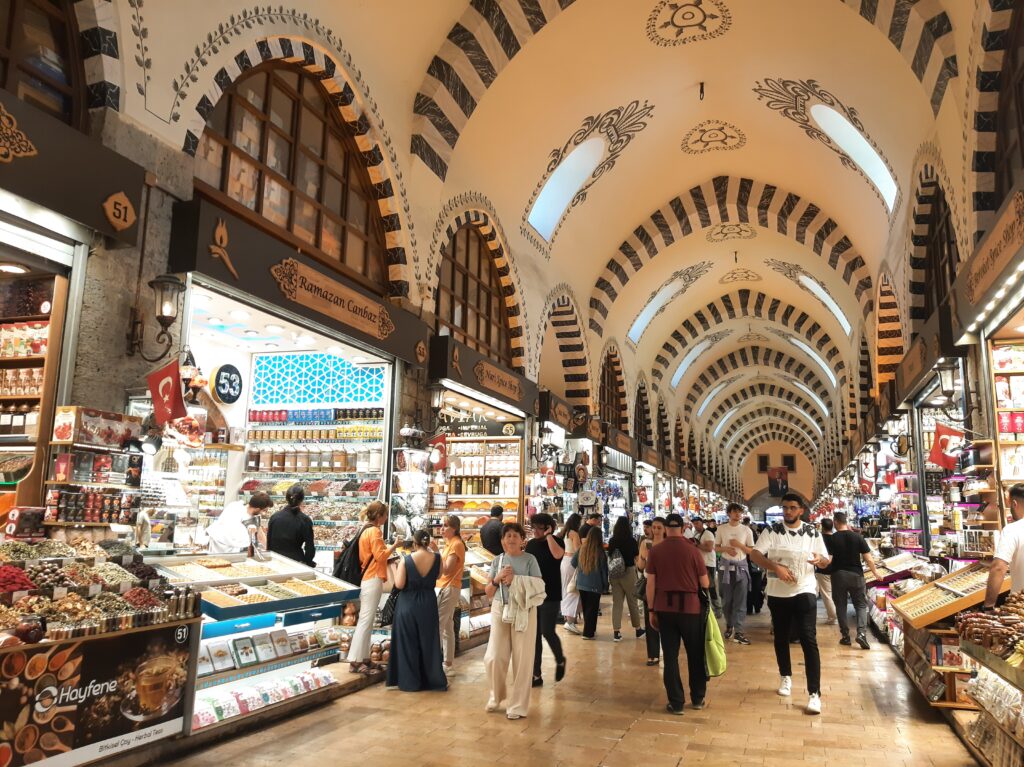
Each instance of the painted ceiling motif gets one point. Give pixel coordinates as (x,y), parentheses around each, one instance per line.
(679,23)
(712,136)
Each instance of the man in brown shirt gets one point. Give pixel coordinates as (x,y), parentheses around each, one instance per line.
(675,574)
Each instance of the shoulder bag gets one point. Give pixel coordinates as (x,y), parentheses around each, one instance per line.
(616,565)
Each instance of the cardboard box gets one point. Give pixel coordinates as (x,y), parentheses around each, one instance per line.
(85,426)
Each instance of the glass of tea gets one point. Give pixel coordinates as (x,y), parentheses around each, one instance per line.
(154,680)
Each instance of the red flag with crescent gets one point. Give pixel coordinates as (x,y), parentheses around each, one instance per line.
(947,446)
(165,389)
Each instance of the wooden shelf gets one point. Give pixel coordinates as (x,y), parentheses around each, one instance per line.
(26,318)
(238,674)
(218,446)
(79,524)
(106,485)
(20,398)
(31,361)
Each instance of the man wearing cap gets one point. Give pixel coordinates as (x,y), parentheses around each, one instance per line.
(705,540)
(675,574)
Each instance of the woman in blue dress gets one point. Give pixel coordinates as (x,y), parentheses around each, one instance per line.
(415,661)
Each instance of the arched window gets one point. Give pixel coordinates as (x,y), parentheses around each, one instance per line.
(612,408)
(39,59)
(470,302)
(642,418)
(679,451)
(941,254)
(662,435)
(277,152)
(1010,117)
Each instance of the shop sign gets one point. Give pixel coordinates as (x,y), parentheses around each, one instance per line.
(477,425)
(92,699)
(233,252)
(651,456)
(561,413)
(226,384)
(594,430)
(619,440)
(55,166)
(457,362)
(672,466)
(935,340)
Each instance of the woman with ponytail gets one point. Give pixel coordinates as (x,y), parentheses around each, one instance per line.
(290,531)
(373,561)
(415,662)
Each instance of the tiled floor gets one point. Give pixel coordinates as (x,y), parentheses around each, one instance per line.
(609,711)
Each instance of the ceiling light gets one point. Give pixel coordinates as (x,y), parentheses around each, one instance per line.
(478,409)
(305,339)
(13,269)
(273,328)
(489,414)
(359,359)
(450,400)
(463,404)
(215,320)
(335,349)
(240,314)
(252,332)
(270,346)
(200,298)
(1019,328)
(501,418)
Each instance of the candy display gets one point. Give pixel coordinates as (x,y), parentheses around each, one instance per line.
(49,575)
(1000,631)
(217,704)
(14,579)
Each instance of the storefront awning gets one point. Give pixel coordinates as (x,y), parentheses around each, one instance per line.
(454,361)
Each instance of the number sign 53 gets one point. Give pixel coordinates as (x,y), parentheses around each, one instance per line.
(226,384)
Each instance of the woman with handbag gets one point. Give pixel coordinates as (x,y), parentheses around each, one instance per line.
(570,596)
(513,639)
(415,662)
(591,565)
(652,635)
(373,559)
(622,553)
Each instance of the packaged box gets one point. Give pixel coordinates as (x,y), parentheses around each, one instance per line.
(85,426)
(244,652)
(220,655)
(204,664)
(62,468)
(264,647)
(282,646)
(1017,391)
(1003,396)
(81,467)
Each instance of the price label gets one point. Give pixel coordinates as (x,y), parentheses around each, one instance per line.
(60,592)
(18,595)
(94,589)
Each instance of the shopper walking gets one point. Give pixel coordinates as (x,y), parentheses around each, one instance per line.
(1009,553)
(848,548)
(449,586)
(675,574)
(789,551)
(705,540)
(591,565)
(734,573)
(549,550)
(373,559)
(516,587)
(823,575)
(623,545)
(652,636)
(490,533)
(290,531)
(415,660)
(570,596)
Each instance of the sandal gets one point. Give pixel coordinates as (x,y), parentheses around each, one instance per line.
(653,661)
(356,667)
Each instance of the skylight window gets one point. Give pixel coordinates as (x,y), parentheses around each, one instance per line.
(806,390)
(695,352)
(822,295)
(852,141)
(563,184)
(711,395)
(814,356)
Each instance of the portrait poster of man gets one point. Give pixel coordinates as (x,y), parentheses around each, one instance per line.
(778,481)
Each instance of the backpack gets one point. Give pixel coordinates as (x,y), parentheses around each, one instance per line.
(616,565)
(347,567)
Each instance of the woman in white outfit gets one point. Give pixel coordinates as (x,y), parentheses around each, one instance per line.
(570,596)
(373,559)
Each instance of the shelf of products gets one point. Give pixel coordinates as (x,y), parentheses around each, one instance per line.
(945,596)
(483,472)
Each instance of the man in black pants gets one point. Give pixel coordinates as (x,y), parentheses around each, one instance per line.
(490,533)
(848,548)
(789,551)
(675,574)
(548,550)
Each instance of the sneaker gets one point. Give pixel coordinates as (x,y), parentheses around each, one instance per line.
(449,671)
(640,632)
(560,671)
(863,642)
(831,622)
(697,705)
(572,628)
(845,641)
(673,711)
(617,636)
(741,639)
(586,637)
(490,708)
(513,717)
(786,686)
(728,632)
(814,703)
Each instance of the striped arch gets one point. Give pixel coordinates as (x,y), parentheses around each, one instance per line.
(731,199)
(564,315)
(745,395)
(678,442)
(662,439)
(643,415)
(992,18)
(345,94)
(691,450)
(924,196)
(490,229)
(779,418)
(743,361)
(802,419)
(745,304)
(612,356)
(764,439)
(98,45)
(889,348)
(865,382)
(477,48)
(916,30)
(780,432)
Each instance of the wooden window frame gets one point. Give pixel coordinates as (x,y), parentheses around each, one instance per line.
(941,254)
(1009,156)
(763,463)
(609,396)
(789,463)
(370,231)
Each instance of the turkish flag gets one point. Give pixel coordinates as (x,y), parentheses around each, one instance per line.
(165,389)
(946,447)
(440,442)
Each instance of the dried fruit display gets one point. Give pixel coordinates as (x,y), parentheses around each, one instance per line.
(14,579)
(49,575)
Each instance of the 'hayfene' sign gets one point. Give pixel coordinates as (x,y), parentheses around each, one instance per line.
(306,286)
(491,377)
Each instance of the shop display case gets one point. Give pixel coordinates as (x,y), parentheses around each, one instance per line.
(945,597)
(483,472)
(410,489)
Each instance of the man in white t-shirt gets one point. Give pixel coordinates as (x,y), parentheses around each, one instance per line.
(789,551)
(734,578)
(705,540)
(1009,553)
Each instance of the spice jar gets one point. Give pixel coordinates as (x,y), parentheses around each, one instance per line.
(289,459)
(252,458)
(301,459)
(363,460)
(278,458)
(376,460)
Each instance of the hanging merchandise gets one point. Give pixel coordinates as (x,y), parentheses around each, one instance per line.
(946,447)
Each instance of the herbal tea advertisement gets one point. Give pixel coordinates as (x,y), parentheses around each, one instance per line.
(71,702)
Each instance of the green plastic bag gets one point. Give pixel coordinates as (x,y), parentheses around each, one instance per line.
(714,647)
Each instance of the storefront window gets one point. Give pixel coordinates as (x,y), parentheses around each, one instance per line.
(278,152)
(610,405)
(470,302)
(642,418)
(941,254)
(1010,117)
(38,58)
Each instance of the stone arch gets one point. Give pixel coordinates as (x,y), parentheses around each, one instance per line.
(745,394)
(746,303)
(238,54)
(662,438)
(98,30)
(889,349)
(611,355)
(767,418)
(476,49)
(762,439)
(865,381)
(563,313)
(759,435)
(741,202)
(926,192)
(678,440)
(475,211)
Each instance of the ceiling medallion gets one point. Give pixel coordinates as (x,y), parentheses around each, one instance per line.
(752,337)
(740,275)
(672,23)
(712,135)
(724,232)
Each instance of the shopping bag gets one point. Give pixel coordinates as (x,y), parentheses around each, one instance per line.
(714,646)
